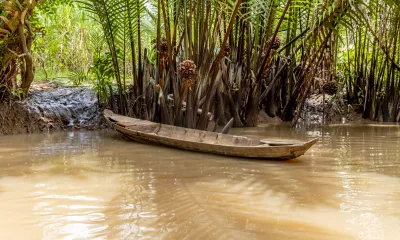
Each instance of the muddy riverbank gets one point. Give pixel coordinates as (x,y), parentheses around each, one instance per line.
(319,110)
(51,108)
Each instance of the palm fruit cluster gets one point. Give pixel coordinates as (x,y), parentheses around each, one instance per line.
(265,75)
(187,69)
(164,46)
(163,51)
(330,87)
(227,50)
(276,43)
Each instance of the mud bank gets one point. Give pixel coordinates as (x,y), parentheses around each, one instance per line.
(50,109)
(331,110)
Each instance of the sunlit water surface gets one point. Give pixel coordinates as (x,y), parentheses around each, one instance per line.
(97,185)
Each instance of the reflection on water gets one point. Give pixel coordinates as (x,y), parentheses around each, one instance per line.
(96,185)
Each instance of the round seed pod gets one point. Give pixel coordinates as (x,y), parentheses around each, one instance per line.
(163,50)
(276,43)
(187,69)
(227,50)
(164,46)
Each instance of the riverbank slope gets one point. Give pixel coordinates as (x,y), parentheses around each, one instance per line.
(51,107)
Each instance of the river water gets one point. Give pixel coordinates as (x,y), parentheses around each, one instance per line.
(97,185)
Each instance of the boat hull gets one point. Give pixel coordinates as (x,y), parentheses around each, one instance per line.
(203,141)
(260,152)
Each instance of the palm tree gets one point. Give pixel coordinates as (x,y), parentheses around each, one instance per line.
(239,66)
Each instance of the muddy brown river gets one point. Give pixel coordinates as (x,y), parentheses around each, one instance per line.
(97,185)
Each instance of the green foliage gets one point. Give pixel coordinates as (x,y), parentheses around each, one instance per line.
(62,41)
(52,6)
(103,73)
(79,76)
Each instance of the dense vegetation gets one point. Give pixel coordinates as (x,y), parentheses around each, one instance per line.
(182,62)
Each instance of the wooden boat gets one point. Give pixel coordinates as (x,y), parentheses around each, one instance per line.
(204,141)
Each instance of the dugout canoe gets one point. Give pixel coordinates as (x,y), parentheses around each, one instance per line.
(204,141)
